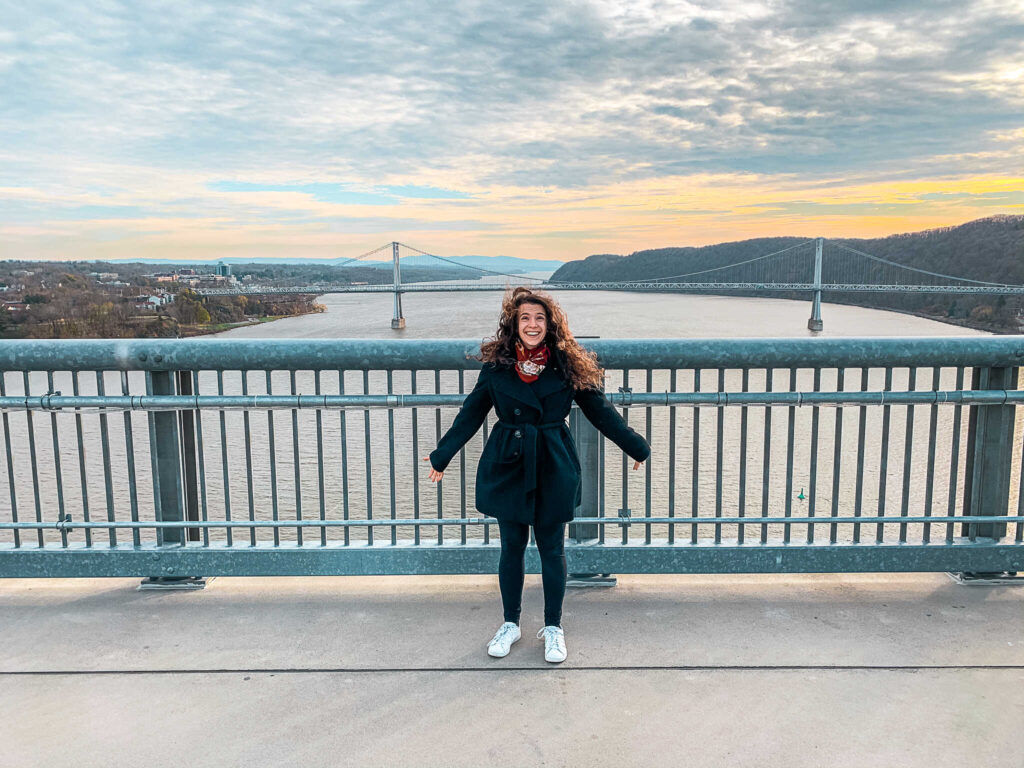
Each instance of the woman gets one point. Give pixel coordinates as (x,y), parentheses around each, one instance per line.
(529,473)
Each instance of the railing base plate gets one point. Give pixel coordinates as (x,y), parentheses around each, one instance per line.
(974,579)
(167,583)
(591,580)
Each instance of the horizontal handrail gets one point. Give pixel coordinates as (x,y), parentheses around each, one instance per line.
(453,354)
(57,402)
(421,522)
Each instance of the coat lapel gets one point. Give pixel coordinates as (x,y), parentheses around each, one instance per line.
(508,382)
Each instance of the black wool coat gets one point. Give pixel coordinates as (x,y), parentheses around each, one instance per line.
(529,470)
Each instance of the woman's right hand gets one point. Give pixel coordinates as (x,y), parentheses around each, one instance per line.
(434,474)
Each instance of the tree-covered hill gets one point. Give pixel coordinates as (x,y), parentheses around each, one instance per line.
(990,249)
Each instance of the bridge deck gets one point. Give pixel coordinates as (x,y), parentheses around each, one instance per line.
(909,670)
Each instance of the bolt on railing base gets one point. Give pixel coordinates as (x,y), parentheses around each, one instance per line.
(165,583)
(975,579)
(591,580)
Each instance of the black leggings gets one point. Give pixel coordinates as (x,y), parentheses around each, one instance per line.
(512,568)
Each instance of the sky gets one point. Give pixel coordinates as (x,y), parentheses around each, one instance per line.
(551,130)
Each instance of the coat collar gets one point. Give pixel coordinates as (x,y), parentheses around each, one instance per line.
(550,380)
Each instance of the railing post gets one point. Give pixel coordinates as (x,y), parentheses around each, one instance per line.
(588,447)
(168,490)
(989,455)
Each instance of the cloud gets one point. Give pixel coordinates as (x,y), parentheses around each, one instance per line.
(321,110)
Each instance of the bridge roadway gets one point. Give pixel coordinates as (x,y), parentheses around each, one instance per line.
(791,671)
(262,290)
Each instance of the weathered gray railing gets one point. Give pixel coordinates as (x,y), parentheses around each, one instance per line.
(166,458)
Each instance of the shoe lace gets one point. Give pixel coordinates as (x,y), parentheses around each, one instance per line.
(553,636)
(505,631)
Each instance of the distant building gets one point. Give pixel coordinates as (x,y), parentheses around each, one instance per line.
(223,270)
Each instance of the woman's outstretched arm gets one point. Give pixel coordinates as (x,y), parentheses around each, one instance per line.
(468,420)
(602,414)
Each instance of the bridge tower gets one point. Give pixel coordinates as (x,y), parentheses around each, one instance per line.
(397,321)
(814,323)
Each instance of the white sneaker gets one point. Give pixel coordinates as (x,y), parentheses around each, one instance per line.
(502,641)
(554,643)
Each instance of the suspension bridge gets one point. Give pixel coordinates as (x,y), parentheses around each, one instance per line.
(816,266)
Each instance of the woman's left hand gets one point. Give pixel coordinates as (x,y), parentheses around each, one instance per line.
(636,464)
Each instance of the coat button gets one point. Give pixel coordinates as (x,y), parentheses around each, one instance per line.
(516,411)
(518,433)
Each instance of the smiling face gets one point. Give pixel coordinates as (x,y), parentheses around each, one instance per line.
(532,324)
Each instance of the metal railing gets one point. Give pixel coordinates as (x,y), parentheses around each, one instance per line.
(222,457)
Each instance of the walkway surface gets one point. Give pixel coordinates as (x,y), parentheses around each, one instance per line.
(793,671)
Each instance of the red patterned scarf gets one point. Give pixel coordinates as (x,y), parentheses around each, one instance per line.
(530,362)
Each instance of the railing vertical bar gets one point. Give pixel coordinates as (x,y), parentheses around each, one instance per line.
(672,459)
(462,468)
(344,460)
(790,434)
(369,462)
(297,462)
(601,486)
(766,458)
(837,457)
(954,455)
(225,471)
(858,503)
(647,464)
(108,484)
(83,475)
(32,458)
(274,511)
(129,450)
(719,440)
(249,490)
(201,456)
(979,380)
(625,473)
(812,491)
(1019,526)
(908,453)
(415,461)
(884,460)
(58,472)
(487,525)
(437,437)
(320,460)
(929,488)
(10,464)
(742,501)
(158,507)
(391,458)
(695,474)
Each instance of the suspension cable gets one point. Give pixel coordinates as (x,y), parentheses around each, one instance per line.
(469,266)
(922,271)
(727,266)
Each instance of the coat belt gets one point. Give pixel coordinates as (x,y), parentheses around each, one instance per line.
(529,432)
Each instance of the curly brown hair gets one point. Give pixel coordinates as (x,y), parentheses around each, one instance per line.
(580,364)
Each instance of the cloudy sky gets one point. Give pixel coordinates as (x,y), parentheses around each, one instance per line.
(539,129)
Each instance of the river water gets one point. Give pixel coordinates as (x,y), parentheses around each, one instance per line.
(371,485)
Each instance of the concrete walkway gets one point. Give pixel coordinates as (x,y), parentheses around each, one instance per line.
(789,671)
